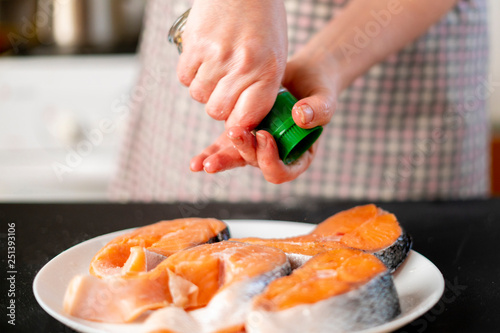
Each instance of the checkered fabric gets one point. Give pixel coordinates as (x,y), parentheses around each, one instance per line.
(414,127)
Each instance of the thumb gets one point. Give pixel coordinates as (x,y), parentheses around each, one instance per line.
(315,110)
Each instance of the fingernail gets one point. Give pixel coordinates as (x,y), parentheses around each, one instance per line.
(306,113)
(207,166)
(261,140)
(236,140)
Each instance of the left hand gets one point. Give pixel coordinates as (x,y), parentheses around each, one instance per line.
(219,156)
(238,147)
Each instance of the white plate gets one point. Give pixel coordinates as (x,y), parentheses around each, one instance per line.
(418,282)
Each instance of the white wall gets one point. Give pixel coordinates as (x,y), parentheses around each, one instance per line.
(494,12)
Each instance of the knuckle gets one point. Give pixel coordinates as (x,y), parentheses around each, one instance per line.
(328,110)
(198,94)
(330,106)
(245,61)
(182,72)
(183,76)
(250,57)
(215,111)
(274,63)
(220,52)
(323,111)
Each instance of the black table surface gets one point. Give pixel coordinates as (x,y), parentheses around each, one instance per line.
(461,238)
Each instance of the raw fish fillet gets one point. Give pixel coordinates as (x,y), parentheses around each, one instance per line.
(365,228)
(153,243)
(217,279)
(297,251)
(340,290)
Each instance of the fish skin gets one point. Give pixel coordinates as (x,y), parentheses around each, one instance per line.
(224,235)
(394,255)
(230,307)
(296,259)
(153,259)
(374,303)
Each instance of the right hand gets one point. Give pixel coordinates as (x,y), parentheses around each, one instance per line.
(234,56)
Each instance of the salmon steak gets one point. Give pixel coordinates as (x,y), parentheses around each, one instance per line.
(143,248)
(367,228)
(215,282)
(297,251)
(187,275)
(336,291)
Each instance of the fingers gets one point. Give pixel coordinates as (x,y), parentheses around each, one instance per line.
(245,142)
(273,169)
(222,160)
(200,75)
(196,163)
(316,85)
(205,81)
(260,151)
(218,157)
(253,105)
(224,97)
(203,84)
(187,68)
(225,159)
(315,110)
(243,97)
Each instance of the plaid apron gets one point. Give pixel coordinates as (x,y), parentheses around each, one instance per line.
(413,127)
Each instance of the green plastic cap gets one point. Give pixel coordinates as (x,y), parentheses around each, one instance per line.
(292,140)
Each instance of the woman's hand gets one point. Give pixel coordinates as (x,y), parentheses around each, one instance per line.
(306,77)
(313,78)
(219,156)
(238,147)
(234,56)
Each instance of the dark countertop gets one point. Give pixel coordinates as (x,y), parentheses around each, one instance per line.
(461,238)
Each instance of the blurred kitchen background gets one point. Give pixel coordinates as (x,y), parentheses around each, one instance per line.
(67,68)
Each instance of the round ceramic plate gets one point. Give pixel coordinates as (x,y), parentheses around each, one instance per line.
(418,281)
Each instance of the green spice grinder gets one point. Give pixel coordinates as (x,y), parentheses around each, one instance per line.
(292,140)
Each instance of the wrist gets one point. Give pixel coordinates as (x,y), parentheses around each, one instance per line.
(327,68)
